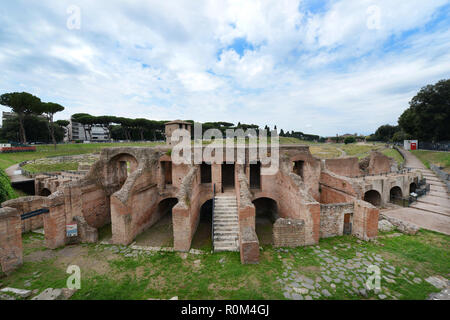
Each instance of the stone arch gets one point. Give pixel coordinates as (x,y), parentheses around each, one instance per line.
(45,192)
(203,233)
(121,166)
(266,213)
(166,205)
(373,197)
(412,187)
(395,193)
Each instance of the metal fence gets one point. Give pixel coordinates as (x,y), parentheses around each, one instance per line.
(436,146)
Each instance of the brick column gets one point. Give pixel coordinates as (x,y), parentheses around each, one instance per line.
(216,176)
(55,221)
(11,255)
(249,246)
(365,220)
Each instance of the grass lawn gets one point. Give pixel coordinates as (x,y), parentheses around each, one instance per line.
(51,167)
(42,151)
(393,154)
(117,272)
(438,158)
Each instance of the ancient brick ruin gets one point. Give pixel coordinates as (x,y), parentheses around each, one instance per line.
(131,188)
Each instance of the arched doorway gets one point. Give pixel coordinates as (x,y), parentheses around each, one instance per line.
(266,213)
(373,197)
(160,233)
(45,192)
(395,193)
(412,187)
(202,236)
(120,167)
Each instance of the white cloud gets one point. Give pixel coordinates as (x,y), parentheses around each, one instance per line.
(322,72)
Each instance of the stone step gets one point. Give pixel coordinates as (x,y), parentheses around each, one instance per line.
(226,248)
(224,211)
(226,226)
(226,229)
(230,243)
(226,232)
(227,238)
(227,207)
(225,218)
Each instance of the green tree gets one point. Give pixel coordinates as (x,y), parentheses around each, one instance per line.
(348,140)
(386,132)
(22,103)
(428,115)
(49,109)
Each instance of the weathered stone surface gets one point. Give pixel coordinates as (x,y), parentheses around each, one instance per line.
(288,233)
(402,226)
(50,294)
(438,281)
(23,293)
(385,226)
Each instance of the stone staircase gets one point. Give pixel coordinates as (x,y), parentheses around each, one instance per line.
(226,223)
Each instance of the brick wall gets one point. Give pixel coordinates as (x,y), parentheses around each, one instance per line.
(55,221)
(249,246)
(348,167)
(10,240)
(332,218)
(28,204)
(289,233)
(365,220)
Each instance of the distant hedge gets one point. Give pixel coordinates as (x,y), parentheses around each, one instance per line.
(6,191)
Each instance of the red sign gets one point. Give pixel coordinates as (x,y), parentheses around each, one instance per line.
(413,146)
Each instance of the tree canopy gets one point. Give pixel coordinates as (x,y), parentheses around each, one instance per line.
(428,115)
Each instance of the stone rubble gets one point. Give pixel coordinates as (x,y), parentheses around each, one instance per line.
(336,273)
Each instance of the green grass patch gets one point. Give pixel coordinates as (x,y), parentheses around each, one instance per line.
(394,154)
(42,151)
(51,167)
(438,158)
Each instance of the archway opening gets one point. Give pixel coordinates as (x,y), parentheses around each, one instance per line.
(120,167)
(348,223)
(373,197)
(298,167)
(266,213)
(45,192)
(205,173)
(227,176)
(412,187)
(166,167)
(255,175)
(160,234)
(202,236)
(395,194)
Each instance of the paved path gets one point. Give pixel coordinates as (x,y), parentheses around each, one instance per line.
(431,211)
(15,174)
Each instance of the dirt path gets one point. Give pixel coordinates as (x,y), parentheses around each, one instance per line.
(15,174)
(431,211)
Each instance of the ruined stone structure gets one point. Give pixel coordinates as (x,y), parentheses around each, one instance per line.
(306,198)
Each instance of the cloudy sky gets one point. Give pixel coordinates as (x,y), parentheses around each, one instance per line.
(321,67)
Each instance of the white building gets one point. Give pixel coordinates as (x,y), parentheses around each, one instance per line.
(410,144)
(75,131)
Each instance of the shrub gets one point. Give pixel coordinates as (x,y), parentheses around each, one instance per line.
(349,140)
(6,191)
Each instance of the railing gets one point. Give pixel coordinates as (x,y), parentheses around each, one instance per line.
(212,215)
(406,202)
(402,171)
(34,213)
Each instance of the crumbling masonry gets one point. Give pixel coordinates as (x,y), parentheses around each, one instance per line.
(132,187)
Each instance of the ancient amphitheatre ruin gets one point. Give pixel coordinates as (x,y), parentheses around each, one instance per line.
(132,188)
